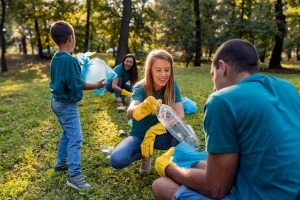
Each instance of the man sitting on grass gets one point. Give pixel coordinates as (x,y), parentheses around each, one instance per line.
(252,125)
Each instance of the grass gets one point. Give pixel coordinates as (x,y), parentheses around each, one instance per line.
(29,134)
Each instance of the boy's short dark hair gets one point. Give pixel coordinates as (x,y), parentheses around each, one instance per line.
(241,55)
(60,31)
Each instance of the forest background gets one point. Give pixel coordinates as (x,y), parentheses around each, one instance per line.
(190,29)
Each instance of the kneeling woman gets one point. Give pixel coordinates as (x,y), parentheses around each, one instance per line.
(158,86)
(127,71)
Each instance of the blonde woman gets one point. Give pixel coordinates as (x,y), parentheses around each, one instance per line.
(158,86)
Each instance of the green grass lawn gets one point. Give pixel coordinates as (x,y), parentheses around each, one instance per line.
(29,134)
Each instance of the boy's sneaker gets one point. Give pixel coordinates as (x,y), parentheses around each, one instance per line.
(61,168)
(146,164)
(78,182)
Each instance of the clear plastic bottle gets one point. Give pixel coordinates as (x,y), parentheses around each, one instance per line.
(176,126)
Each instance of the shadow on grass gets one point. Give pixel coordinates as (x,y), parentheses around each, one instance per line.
(28,68)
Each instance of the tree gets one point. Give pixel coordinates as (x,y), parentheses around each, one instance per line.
(177,28)
(87,26)
(124,32)
(2,32)
(292,37)
(197,61)
(281,25)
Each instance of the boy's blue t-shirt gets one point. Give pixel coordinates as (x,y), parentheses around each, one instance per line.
(140,127)
(66,83)
(124,75)
(260,119)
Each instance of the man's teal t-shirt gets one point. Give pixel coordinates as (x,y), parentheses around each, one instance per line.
(140,127)
(259,118)
(66,83)
(124,75)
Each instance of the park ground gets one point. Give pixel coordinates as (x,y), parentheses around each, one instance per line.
(29,132)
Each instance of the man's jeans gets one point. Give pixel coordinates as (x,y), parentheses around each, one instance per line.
(129,150)
(121,85)
(70,141)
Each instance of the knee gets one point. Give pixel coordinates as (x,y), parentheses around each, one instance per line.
(115,162)
(157,185)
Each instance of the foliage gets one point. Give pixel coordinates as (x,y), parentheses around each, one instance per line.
(29,134)
(168,24)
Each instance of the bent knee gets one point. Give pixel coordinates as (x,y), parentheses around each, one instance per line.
(158,184)
(116,163)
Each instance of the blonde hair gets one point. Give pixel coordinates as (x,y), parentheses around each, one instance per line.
(147,82)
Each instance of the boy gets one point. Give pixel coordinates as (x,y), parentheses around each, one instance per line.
(66,88)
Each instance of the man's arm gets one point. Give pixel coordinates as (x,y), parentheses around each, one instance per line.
(216,181)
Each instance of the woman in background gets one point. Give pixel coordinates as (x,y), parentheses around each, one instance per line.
(127,71)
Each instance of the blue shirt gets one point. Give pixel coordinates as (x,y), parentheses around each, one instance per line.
(66,83)
(140,127)
(259,118)
(124,75)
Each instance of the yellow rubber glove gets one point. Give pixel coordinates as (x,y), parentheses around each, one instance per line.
(163,161)
(146,107)
(126,93)
(147,145)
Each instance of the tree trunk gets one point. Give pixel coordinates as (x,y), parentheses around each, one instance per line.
(197,61)
(31,43)
(38,35)
(47,42)
(281,23)
(87,27)
(297,51)
(23,40)
(188,61)
(124,33)
(2,32)
(242,18)
(210,53)
(262,56)
(289,54)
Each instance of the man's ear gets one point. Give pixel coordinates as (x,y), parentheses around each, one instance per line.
(70,38)
(223,66)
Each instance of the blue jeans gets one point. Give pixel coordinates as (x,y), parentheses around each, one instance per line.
(129,150)
(186,193)
(121,85)
(70,141)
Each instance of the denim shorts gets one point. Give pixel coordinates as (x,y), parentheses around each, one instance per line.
(185,193)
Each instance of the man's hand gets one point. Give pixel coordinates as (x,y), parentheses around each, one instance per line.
(147,145)
(146,107)
(163,161)
(126,93)
(100,84)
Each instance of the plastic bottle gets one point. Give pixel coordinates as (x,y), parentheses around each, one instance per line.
(175,125)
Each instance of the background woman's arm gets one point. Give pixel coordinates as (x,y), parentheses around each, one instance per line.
(115,85)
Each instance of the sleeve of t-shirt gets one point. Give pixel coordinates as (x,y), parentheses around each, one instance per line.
(177,93)
(138,93)
(74,80)
(119,70)
(219,126)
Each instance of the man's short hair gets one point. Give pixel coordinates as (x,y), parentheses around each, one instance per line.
(241,55)
(60,32)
